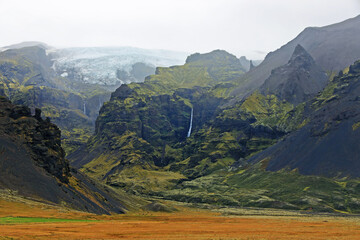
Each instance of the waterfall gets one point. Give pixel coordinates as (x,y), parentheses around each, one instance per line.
(84,107)
(191,120)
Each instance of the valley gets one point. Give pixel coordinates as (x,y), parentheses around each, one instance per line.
(135,143)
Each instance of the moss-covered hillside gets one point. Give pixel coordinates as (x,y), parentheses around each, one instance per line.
(145,127)
(180,136)
(27,78)
(327,142)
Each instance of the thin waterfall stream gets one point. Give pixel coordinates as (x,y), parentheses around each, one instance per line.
(84,107)
(191,121)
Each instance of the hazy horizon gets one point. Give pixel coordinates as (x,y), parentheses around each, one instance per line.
(250,28)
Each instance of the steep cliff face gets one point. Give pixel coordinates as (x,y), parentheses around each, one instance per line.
(40,136)
(65,109)
(327,144)
(32,163)
(297,81)
(136,133)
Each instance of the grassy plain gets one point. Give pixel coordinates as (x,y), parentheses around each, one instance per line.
(186,223)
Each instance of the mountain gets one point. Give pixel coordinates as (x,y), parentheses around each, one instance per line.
(298,80)
(142,145)
(144,126)
(333,48)
(27,78)
(36,75)
(282,135)
(327,144)
(33,164)
(314,168)
(184,135)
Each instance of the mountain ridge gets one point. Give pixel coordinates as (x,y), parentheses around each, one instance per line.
(298,80)
(333,47)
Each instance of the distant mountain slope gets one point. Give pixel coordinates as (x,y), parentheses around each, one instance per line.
(298,80)
(28,66)
(27,78)
(30,74)
(328,144)
(101,65)
(333,47)
(202,70)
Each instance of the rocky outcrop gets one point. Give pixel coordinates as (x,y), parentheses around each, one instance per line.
(40,136)
(32,162)
(298,80)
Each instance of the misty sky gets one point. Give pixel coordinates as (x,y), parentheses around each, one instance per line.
(242,27)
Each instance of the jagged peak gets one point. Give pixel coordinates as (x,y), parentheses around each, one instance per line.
(300,52)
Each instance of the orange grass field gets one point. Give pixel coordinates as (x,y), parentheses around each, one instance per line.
(187,223)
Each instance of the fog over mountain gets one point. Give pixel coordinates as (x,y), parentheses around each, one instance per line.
(242,27)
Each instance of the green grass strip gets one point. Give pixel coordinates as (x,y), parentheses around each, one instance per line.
(21,220)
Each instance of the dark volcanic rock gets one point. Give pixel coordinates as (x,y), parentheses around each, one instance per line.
(33,163)
(329,144)
(41,137)
(298,80)
(333,47)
